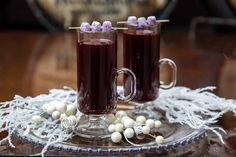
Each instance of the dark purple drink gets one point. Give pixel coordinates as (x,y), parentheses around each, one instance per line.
(96,76)
(141,55)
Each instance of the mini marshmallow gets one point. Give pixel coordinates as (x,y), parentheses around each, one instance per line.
(96,26)
(159,139)
(150,123)
(51,109)
(61,107)
(141,119)
(120,114)
(56,115)
(145,130)
(119,127)
(128,123)
(71,110)
(85,26)
(112,128)
(132,20)
(36,119)
(116,137)
(106,26)
(151,20)
(129,133)
(123,119)
(142,22)
(158,124)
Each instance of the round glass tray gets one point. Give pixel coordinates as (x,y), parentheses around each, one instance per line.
(176,135)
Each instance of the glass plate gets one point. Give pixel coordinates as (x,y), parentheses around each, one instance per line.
(179,139)
(176,135)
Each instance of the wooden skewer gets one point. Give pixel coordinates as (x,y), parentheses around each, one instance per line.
(158,21)
(74,27)
(121,28)
(123,22)
(125,107)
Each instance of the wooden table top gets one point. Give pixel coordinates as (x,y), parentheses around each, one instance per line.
(31,63)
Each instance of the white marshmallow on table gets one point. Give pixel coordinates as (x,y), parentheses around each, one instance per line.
(158,124)
(52,106)
(116,137)
(51,109)
(142,22)
(71,110)
(106,26)
(151,20)
(85,26)
(61,107)
(159,139)
(145,130)
(112,128)
(36,119)
(150,123)
(129,133)
(123,119)
(132,21)
(119,127)
(141,120)
(128,123)
(56,115)
(96,26)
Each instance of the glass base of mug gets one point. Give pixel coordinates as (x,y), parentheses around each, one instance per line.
(93,127)
(144,109)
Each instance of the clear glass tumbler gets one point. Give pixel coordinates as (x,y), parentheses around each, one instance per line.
(97,81)
(141,46)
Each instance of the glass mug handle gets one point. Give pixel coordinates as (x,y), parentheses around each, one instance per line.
(133,85)
(174,73)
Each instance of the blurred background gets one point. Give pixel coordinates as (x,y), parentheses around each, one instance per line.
(55,15)
(38,52)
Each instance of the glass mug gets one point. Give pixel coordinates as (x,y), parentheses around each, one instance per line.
(97,81)
(141,48)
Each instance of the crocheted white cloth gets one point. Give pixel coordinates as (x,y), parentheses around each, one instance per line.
(196,108)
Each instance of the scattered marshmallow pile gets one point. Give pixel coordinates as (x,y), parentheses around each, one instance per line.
(141,21)
(58,111)
(96,26)
(121,123)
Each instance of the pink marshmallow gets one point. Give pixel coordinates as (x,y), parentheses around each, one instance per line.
(151,20)
(132,21)
(142,22)
(96,26)
(85,26)
(106,26)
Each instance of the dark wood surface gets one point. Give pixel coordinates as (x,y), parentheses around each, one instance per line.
(34,62)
